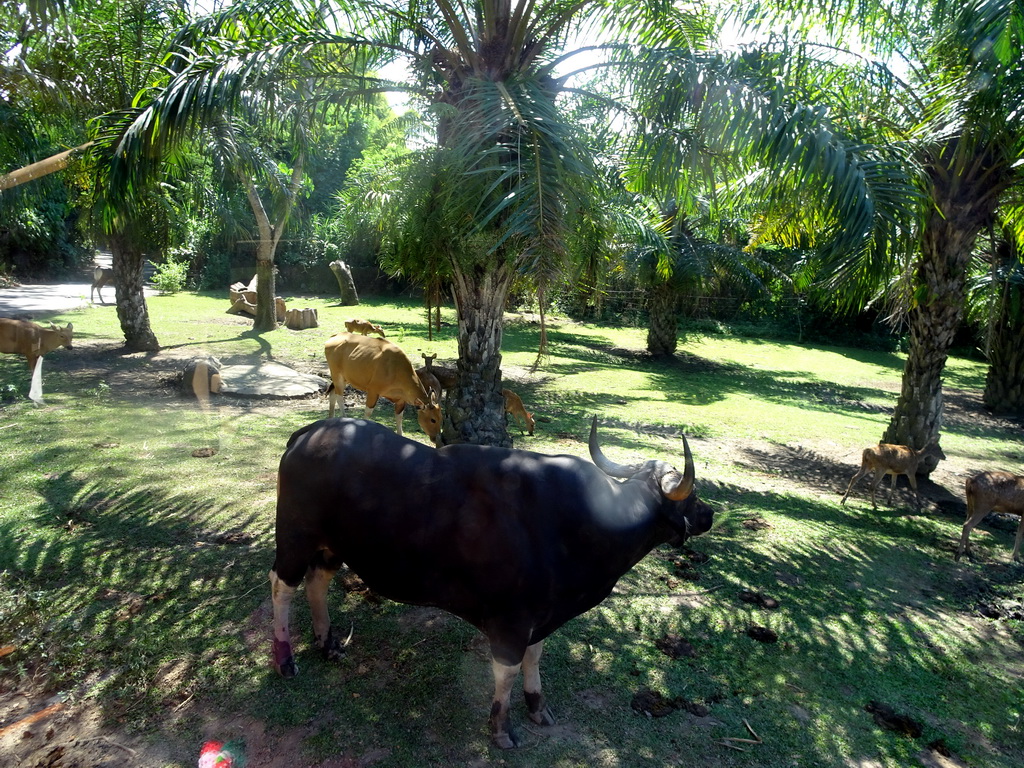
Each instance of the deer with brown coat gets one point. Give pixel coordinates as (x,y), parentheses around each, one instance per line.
(364,327)
(101,276)
(20,337)
(888,459)
(514,405)
(993,491)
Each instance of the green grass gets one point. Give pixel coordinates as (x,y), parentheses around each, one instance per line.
(133,575)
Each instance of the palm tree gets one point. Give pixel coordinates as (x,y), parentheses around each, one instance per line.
(1003,289)
(958,108)
(508,165)
(117,47)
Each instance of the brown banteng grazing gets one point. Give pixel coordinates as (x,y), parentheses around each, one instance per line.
(514,405)
(887,459)
(20,337)
(514,542)
(100,277)
(993,491)
(364,327)
(380,369)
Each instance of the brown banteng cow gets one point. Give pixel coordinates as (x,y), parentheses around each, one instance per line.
(514,542)
(514,405)
(380,369)
(20,337)
(993,491)
(887,459)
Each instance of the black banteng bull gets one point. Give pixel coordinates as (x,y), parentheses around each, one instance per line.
(514,542)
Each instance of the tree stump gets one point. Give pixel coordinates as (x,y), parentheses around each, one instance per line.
(346,285)
(300,319)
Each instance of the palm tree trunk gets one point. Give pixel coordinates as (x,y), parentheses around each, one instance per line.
(941,278)
(474,410)
(132,311)
(663,320)
(1004,384)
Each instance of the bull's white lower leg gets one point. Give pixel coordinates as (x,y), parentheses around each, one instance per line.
(398,422)
(281,596)
(535,704)
(501,727)
(317,582)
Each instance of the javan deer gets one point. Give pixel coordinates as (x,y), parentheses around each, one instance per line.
(514,405)
(989,491)
(20,337)
(364,327)
(887,459)
(101,276)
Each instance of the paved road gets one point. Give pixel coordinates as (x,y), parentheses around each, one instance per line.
(35,300)
(40,299)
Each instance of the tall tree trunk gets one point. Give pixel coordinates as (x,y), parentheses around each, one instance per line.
(130,300)
(270,236)
(946,246)
(1004,384)
(266,307)
(663,320)
(474,410)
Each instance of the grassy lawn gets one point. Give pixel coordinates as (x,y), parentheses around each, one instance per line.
(133,574)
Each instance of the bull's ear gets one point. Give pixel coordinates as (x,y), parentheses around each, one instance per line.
(69,326)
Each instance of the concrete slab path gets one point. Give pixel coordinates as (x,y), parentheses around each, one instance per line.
(268,379)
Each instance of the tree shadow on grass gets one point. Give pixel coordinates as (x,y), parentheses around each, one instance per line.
(160,602)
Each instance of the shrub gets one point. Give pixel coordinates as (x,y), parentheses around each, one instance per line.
(169,277)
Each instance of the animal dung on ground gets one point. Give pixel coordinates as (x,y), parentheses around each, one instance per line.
(204,453)
(696,557)
(756,524)
(756,598)
(654,704)
(886,717)
(762,634)
(675,647)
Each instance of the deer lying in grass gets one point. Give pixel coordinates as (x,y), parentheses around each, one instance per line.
(514,405)
(993,491)
(364,327)
(887,459)
(100,277)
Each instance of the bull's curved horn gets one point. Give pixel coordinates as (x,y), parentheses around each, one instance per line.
(677,487)
(606,465)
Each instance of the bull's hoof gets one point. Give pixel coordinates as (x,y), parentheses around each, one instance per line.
(538,709)
(505,740)
(543,717)
(332,649)
(501,728)
(284,662)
